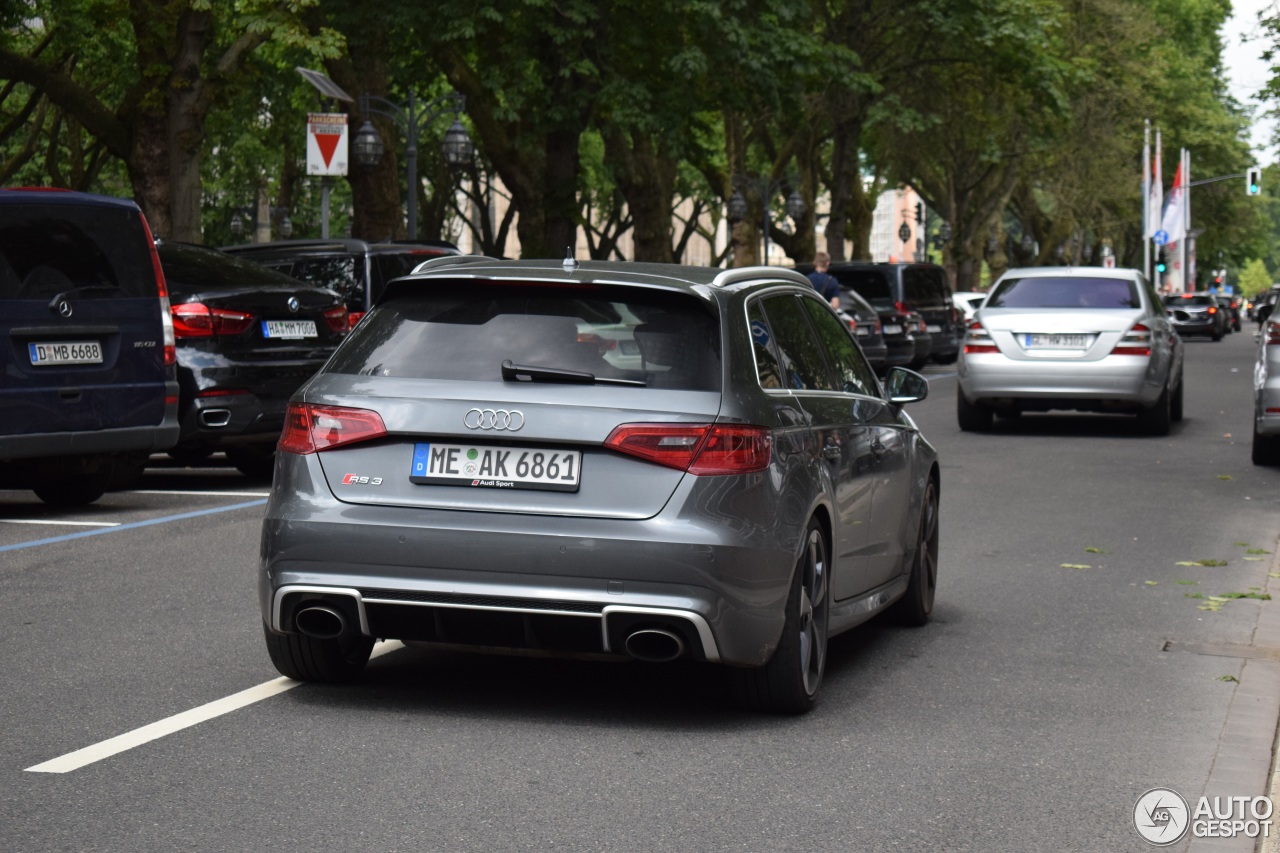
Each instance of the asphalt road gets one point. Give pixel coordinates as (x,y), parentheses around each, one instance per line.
(1033,711)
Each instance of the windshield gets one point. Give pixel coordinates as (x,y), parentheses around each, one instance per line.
(1065,292)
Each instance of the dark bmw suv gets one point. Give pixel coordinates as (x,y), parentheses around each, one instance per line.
(357,269)
(89,387)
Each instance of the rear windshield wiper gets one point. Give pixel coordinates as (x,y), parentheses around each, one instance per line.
(84,290)
(530,373)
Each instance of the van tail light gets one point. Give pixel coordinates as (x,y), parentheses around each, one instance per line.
(309,428)
(197,320)
(1136,341)
(354,317)
(978,340)
(162,289)
(337,320)
(704,449)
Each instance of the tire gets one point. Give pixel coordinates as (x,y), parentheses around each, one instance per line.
(916,605)
(304,658)
(972,417)
(1157,419)
(190,454)
(255,461)
(1266,448)
(789,682)
(74,489)
(1217,336)
(1175,402)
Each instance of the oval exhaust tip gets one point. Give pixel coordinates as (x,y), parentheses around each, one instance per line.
(321,622)
(654,645)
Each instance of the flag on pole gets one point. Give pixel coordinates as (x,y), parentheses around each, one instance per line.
(1155,193)
(1175,216)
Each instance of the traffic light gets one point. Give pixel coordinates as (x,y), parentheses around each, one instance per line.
(1161,266)
(1253,178)
(919,212)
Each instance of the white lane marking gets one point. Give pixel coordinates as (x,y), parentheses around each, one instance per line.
(53,521)
(178,722)
(214,494)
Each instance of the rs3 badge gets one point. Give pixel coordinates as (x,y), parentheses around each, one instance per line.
(357,480)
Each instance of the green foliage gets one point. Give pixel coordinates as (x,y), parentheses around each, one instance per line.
(1254,278)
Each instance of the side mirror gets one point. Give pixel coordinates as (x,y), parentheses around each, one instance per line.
(903,386)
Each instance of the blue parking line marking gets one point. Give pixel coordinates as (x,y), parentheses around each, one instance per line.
(130,526)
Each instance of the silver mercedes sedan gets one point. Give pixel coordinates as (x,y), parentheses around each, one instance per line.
(476,468)
(1266,392)
(1076,338)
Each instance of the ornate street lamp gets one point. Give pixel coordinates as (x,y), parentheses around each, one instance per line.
(412,118)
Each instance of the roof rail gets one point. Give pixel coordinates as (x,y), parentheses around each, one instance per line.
(741,274)
(451,261)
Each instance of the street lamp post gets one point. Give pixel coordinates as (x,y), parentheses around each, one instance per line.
(737,206)
(412,117)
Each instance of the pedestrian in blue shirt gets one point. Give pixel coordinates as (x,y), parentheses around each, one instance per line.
(823,281)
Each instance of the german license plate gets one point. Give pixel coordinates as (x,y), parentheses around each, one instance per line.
(495,467)
(1055,341)
(65,352)
(289,328)
(933,330)
(892,330)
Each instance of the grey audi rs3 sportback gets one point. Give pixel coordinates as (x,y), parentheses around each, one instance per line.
(638,460)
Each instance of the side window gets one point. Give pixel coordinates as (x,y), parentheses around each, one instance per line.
(336,274)
(854,373)
(803,363)
(922,288)
(768,369)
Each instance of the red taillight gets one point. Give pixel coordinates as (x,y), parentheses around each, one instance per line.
(978,340)
(197,320)
(162,290)
(602,344)
(1273,334)
(354,317)
(901,308)
(704,449)
(309,428)
(337,320)
(1136,341)
(1213,309)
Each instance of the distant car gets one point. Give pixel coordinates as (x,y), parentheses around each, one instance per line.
(1078,338)
(467,471)
(89,388)
(1230,303)
(1266,392)
(868,331)
(247,338)
(1197,314)
(357,269)
(968,302)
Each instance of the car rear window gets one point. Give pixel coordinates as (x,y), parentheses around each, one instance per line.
(871,285)
(335,273)
(1065,292)
(190,269)
(50,249)
(453,330)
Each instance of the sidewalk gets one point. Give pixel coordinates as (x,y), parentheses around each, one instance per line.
(1243,765)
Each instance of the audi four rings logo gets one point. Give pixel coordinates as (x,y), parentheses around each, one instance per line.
(500,419)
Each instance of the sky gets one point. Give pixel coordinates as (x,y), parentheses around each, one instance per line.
(1246,70)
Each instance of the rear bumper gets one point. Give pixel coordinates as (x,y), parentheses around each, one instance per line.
(90,442)
(523,581)
(1112,382)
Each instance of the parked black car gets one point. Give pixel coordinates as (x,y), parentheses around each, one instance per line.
(1197,314)
(356,269)
(89,387)
(896,291)
(864,322)
(247,338)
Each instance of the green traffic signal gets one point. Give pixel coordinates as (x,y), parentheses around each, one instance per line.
(1253,179)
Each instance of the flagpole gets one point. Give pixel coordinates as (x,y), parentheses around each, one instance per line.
(1188,285)
(1146,198)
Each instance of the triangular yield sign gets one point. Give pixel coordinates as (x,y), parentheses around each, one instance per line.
(328,142)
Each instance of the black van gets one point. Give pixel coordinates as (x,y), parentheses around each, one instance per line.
(88,383)
(898,290)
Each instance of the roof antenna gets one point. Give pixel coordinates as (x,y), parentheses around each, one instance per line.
(569,263)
